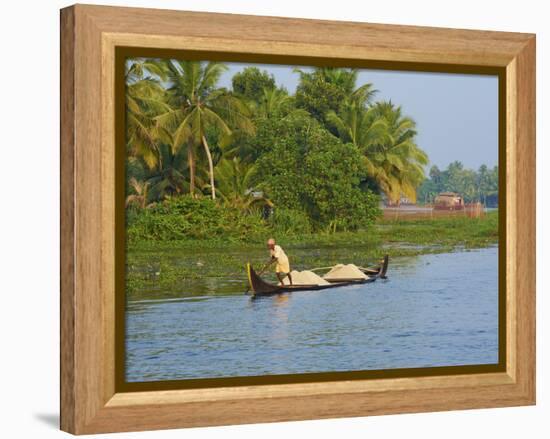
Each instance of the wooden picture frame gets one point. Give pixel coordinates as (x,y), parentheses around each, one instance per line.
(91,402)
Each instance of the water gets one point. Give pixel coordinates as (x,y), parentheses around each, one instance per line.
(435,310)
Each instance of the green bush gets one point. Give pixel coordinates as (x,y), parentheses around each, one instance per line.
(289,222)
(184,218)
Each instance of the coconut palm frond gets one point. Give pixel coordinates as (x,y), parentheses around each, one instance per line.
(234,185)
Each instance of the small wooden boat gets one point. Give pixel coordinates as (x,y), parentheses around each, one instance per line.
(260,287)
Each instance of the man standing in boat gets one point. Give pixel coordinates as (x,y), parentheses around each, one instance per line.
(282,269)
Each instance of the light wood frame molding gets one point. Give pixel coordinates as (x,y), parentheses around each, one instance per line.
(89,36)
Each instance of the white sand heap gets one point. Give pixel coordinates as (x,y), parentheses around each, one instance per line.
(345,272)
(305,278)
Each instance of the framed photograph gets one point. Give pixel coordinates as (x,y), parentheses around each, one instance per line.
(269,219)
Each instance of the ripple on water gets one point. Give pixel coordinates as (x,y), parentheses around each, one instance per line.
(436,310)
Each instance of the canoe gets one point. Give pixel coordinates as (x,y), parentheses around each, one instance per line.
(260,287)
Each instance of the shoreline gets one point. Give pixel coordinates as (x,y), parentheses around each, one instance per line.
(469,232)
(164,268)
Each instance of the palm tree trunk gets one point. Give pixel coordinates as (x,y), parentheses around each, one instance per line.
(210,166)
(191,164)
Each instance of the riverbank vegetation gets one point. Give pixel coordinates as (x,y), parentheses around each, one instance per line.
(206,162)
(475,186)
(163,269)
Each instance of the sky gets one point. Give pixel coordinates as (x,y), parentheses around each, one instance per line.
(456,114)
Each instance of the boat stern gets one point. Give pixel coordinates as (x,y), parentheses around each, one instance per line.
(249,277)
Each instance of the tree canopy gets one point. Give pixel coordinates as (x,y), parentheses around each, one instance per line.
(251,83)
(321,157)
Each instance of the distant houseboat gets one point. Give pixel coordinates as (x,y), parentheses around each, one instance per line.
(448,201)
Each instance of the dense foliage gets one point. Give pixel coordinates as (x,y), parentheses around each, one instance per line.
(206,162)
(304,167)
(480,185)
(185,218)
(251,83)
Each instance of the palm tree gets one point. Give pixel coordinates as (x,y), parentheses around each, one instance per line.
(235,185)
(197,105)
(386,138)
(141,196)
(356,124)
(396,163)
(144,100)
(276,102)
(345,79)
(273,102)
(483,183)
(168,178)
(336,85)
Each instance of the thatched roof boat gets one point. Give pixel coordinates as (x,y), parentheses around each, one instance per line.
(260,287)
(449,201)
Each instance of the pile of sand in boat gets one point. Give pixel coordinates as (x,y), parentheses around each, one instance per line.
(336,273)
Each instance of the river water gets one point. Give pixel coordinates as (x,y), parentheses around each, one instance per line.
(434,310)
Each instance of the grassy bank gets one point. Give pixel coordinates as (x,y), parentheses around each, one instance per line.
(426,236)
(216,266)
(442,234)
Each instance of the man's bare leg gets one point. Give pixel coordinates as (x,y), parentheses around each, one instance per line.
(281,277)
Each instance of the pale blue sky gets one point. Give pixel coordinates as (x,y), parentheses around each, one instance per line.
(456,114)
